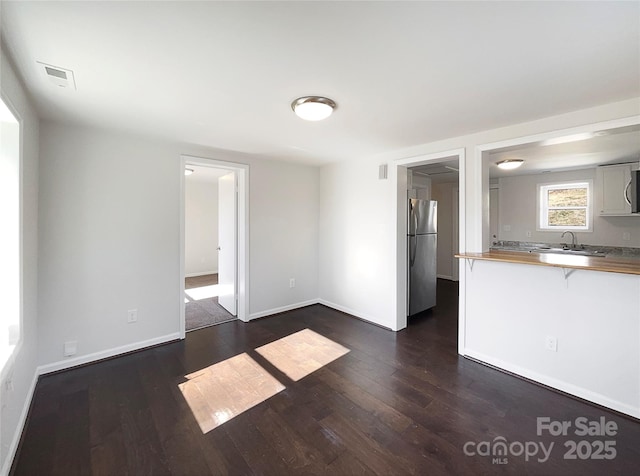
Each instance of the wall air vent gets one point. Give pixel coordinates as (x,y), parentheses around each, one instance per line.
(61,77)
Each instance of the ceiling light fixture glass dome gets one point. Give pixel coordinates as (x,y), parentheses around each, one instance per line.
(510,164)
(313,108)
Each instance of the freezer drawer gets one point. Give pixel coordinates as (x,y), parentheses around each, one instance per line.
(422,272)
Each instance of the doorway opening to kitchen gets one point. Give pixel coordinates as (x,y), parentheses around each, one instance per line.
(430,232)
(213,243)
(432,276)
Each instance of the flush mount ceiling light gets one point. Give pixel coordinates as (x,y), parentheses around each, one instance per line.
(313,108)
(188,171)
(510,164)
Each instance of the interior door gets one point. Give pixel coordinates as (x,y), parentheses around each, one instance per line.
(227,242)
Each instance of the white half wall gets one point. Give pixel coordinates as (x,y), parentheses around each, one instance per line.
(21,369)
(110,242)
(200,227)
(594,317)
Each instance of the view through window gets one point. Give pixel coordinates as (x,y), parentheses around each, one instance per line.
(565,206)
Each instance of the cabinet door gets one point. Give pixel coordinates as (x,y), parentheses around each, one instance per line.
(612,181)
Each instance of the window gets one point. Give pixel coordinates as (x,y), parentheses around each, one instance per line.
(565,206)
(10,278)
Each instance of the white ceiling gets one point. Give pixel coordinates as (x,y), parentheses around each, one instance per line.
(613,146)
(444,171)
(223,74)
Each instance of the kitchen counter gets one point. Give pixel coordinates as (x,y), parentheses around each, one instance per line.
(558,260)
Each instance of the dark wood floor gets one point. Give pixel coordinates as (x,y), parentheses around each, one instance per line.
(397,403)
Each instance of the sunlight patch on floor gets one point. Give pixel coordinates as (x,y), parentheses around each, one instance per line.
(203,292)
(218,393)
(224,390)
(299,354)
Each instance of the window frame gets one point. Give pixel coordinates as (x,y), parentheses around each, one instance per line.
(542,212)
(13,328)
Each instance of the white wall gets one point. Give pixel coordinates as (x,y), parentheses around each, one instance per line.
(200,226)
(356,266)
(284,201)
(443,194)
(110,244)
(517,208)
(22,371)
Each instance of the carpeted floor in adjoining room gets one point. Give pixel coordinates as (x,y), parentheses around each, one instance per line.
(201,303)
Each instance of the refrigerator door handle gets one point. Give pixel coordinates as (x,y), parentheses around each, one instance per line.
(413,243)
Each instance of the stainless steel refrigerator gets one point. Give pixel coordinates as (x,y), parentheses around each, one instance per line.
(422,246)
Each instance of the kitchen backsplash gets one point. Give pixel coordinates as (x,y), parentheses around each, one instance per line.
(606,250)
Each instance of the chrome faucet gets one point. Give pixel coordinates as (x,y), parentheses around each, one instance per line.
(573,238)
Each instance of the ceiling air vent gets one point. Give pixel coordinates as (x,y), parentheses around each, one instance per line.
(61,77)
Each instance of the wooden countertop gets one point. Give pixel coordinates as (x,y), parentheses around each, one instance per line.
(595,263)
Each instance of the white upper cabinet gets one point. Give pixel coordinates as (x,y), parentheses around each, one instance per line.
(612,182)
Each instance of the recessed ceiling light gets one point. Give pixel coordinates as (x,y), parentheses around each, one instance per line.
(510,164)
(313,108)
(188,171)
(570,138)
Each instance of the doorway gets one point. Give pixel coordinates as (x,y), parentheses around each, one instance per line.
(400,177)
(210,246)
(432,276)
(214,230)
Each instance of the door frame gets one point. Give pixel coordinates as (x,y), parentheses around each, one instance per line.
(398,176)
(242,237)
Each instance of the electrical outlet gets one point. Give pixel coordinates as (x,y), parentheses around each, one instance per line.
(506,227)
(626,236)
(528,233)
(551,343)
(70,348)
(132,316)
(292,283)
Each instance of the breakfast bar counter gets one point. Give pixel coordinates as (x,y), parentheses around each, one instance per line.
(559,260)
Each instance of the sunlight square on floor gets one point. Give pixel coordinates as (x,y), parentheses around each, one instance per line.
(222,391)
(299,354)
(203,292)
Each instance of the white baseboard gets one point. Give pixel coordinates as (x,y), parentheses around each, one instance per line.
(15,441)
(277,310)
(204,273)
(353,312)
(104,354)
(575,390)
